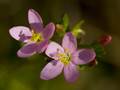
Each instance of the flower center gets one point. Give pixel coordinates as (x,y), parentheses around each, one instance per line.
(36,37)
(64,58)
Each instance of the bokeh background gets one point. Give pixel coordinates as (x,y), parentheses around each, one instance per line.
(101,17)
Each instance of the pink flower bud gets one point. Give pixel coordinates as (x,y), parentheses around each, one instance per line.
(105,40)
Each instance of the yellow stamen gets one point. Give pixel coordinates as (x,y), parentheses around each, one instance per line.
(64,58)
(36,37)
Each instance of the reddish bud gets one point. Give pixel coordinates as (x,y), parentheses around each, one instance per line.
(105,40)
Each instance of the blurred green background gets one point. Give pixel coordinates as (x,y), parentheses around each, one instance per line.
(101,17)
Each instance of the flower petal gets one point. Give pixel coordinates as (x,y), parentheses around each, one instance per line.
(48,31)
(69,42)
(71,72)
(51,70)
(42,46)
(27,51)
(53,49)
(20,33)
(35,20)
(37,27)
(84,56)
(34,17)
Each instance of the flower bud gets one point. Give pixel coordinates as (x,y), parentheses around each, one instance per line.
(105,40)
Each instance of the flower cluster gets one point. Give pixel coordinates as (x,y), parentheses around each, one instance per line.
(65,57)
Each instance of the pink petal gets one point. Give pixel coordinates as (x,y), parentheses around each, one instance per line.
(35,20)
(34,17)
(69,42)
(71,72)
(51,70)
(83,56)
(27,50)
(42,46)
(48,31)
(19,32)
(53,49)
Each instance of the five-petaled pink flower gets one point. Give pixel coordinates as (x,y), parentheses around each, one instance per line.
(36,38)
(66,58)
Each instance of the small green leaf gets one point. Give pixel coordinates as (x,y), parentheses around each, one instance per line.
(77,29)
(99,49)
(65,21)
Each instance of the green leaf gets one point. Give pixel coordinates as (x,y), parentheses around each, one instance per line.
(65,21)
(99,49)
(77,29)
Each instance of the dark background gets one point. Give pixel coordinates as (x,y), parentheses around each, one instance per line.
(101,17)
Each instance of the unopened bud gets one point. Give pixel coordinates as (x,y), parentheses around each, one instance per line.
(59,27)
(105,40)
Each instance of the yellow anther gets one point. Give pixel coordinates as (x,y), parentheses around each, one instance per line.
(36,37)
(64,58)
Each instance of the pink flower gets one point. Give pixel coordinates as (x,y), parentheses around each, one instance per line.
(66,58)
(35,38)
